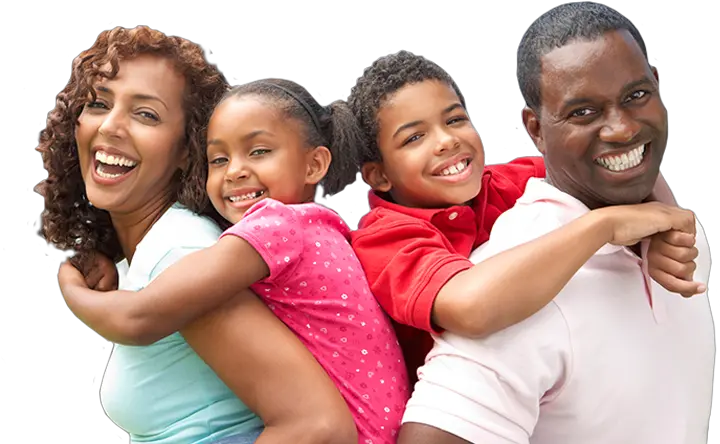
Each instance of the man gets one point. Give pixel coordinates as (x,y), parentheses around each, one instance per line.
(615,358)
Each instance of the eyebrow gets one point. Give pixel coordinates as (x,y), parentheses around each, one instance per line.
(582,100)
(245,138)
(135,96)
(405,126)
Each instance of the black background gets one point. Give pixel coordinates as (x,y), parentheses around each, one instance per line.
(61,361)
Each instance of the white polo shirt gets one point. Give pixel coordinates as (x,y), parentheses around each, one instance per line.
(614,359)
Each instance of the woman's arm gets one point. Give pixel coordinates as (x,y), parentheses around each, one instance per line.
(273,373)
(194,285)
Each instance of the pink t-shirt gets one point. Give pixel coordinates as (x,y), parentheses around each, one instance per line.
(317,287)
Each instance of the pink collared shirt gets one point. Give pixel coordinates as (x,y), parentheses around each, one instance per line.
(613,359)
(317,287)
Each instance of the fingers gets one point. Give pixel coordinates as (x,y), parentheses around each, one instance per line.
(671,283)
(684,221)
(679,254)
(107,282)
(681,270)
(678,238)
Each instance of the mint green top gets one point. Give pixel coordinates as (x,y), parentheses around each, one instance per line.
(164,393)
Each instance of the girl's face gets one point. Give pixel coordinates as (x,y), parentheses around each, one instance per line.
(129,139)
(255,152)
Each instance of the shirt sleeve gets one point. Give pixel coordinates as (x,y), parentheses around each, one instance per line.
(489,390)
(275,231)
(407,263)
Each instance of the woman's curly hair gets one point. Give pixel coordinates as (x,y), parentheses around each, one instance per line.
(69,221)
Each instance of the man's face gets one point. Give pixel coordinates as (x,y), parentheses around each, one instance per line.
(602,126)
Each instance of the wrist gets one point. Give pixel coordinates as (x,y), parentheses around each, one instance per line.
(601,224)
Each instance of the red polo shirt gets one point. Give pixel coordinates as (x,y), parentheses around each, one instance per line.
(409,254)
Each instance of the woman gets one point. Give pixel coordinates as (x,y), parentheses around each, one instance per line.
(123,148)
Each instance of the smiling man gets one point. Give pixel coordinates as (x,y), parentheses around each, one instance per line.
(615,358)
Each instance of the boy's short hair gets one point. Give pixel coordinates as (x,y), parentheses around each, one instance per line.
(380,80)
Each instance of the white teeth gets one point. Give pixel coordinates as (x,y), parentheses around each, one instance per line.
(100,172)
(624,161)
(454,169)
(102,156)
(248,196)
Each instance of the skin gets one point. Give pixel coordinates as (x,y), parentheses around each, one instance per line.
(425,129)
(138,115)
(253,148)
(272,372)
(601,97)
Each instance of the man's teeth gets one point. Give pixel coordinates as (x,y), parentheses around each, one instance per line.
(103,157)
(623,161)
(248,196)
(454,169)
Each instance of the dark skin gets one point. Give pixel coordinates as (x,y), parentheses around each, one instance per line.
(600,99)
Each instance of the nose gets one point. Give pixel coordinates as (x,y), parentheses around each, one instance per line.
(619,127)
(236,170)
(446,141)
(114,124)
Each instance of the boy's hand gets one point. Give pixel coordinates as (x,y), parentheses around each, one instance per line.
(671,262)
(632,223)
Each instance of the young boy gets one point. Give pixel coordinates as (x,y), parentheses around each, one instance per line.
(433,201)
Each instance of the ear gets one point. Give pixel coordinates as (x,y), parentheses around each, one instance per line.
(532,126)
(318,162)
(655,73)
(373,173)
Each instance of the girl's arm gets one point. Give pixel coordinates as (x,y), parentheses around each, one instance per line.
(511,286)
(191,287)
(273,373)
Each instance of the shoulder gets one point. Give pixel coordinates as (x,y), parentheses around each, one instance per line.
(382,220)
(178,232)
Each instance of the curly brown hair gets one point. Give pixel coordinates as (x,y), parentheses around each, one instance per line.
(69,221)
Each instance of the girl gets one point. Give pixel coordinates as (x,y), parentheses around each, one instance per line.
(269,145)
(124,151)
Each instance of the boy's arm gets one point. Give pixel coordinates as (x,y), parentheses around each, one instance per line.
(511,286)
(191,287)
(421,283)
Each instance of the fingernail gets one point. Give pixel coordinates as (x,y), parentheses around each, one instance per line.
(702,288)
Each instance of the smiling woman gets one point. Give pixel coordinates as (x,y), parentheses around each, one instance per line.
(124,151)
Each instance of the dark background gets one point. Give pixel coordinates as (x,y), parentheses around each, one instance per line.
(62,361)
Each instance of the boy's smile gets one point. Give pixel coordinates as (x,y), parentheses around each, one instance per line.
(432,156)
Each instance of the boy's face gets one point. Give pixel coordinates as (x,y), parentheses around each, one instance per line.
(432,157)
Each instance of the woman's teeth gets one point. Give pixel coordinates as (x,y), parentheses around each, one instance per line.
(623,161)
(248,196)
(112,166)
(455,169)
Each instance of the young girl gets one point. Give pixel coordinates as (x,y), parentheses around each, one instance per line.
(269,145)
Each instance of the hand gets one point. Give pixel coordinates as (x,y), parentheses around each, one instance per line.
(632,223)
(102,274)
(671,262)
(69,276)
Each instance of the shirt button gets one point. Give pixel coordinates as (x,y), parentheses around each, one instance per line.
(453,215)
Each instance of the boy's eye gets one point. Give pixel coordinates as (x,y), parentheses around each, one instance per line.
(456,119)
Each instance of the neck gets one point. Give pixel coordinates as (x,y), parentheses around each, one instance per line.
(588,201)
(132,226)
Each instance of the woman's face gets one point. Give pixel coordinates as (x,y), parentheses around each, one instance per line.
(130,139)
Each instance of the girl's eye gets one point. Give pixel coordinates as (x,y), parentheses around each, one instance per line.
(259,152)
(218,161)
(456,120)
(96,105)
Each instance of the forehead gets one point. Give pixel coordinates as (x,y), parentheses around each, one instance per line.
(601,67)
(415,100)
(147,74)
(245,114)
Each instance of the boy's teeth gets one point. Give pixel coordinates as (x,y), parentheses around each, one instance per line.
(623,161)
(102,156)
(248,196)
(454,169)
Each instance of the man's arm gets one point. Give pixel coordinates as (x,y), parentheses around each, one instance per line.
(191,287)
